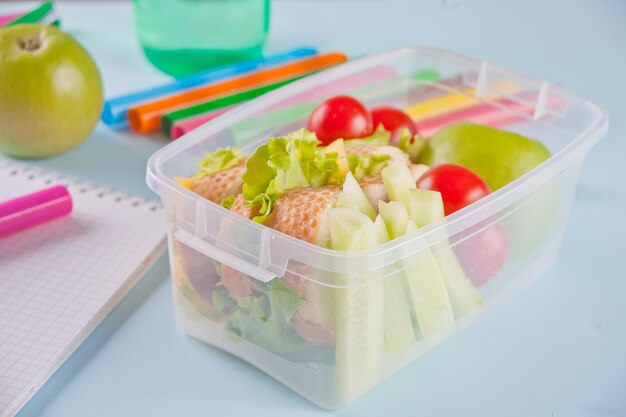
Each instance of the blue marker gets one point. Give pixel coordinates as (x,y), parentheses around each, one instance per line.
(115,109)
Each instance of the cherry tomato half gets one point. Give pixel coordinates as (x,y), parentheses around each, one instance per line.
(340,117)
(393,120)
(459,187)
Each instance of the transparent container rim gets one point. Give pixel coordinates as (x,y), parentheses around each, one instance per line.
(422,238)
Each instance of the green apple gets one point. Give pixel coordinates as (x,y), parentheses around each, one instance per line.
(50,91)
(497,156)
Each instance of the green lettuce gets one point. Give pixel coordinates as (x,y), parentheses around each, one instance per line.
(266,320)
(218,160)
(227,203)
(283,163)
(365,165)
(222,301)
(380,137)
(411,144)
(265,204)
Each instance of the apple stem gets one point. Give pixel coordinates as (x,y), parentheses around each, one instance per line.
(30,44)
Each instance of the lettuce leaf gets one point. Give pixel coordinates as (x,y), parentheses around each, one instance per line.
(326,171)
(227,203)
(266,320)
(266,206)
(223,301)
(218,160)
(366,165)
(411,144)
(283,163)
(380,137)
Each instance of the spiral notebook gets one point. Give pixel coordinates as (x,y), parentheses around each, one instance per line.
(60,279)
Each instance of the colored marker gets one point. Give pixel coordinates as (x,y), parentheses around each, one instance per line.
(220,103)
(115,109)
(498,113)
(33,209)
(449,102)
(34,16)
(147,117)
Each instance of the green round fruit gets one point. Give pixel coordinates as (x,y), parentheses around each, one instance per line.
(51,91)
(497,156)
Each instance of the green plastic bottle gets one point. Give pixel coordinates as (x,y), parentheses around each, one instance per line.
(180,37)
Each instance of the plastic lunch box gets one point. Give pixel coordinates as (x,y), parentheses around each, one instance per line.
(346,288)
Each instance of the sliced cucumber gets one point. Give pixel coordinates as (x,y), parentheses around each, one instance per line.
(428,293)
(396,314)
(398,324)
(425,208)
(395,216)
(354,197)
(398,182)
(350,229)
(381,230)
(359,311)
(464,296)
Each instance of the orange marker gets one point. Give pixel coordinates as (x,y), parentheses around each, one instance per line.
(147,117)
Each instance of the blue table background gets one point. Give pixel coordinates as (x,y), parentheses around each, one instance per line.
(557,348)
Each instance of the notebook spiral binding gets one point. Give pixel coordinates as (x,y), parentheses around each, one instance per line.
(82,187)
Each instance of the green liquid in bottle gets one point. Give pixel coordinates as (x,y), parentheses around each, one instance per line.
(180,37)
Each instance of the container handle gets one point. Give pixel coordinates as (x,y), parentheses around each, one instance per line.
(224,257)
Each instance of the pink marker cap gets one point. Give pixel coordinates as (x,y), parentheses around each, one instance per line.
(33,209)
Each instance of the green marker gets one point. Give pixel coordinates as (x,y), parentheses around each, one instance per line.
(169,119)
(34,16)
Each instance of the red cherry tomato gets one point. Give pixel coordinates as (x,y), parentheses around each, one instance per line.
(393,120)
(340,117)
(483,253)
(459,187)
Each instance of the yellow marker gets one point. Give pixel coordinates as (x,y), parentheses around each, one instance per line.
(450,102)
(185,182)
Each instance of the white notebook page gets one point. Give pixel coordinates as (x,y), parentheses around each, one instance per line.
(60,279)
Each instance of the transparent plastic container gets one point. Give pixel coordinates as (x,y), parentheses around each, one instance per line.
(363,296)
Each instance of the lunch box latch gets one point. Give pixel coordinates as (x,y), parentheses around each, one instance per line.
(222,256)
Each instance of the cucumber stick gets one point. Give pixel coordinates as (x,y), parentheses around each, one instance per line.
(354,197)
(359,311)
(398,328)
(425,208)
(396,314)
(395,216)
(398,181)
(427,294)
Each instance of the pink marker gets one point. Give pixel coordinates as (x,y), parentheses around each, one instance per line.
(8,18)
(34,209)
(345,84)
(184,126)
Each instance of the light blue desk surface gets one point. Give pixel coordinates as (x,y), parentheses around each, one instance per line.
(556,349)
